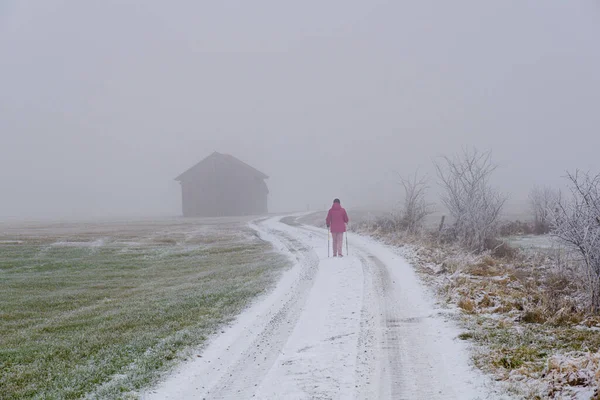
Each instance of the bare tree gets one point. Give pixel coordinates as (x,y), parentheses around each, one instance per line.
(474,205)
(576,221)
(543,201)
(415,208)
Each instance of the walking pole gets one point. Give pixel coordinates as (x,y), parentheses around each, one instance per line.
(347,243)
(328,241)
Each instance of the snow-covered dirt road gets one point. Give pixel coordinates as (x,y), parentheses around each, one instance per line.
(333,328)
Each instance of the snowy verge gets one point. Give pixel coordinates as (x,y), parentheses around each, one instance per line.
(504,307)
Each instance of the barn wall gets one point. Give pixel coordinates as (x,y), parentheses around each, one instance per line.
(224,192)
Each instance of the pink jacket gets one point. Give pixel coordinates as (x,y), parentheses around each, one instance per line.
(337,218)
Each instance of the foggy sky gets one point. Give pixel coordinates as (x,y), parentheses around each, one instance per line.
(104,103)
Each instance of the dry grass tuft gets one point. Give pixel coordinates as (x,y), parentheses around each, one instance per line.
(482,269)
(535,316)
(467,305)
(566,317)
(504,308)
(486,302)
(487,261)
(501,249)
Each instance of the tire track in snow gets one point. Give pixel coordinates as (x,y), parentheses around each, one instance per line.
(405,349)
(233,362)
(380,346)
(368,368)
(318,362)
(358,327)
(377,366)
(391,378)
(419,358)
(243,377)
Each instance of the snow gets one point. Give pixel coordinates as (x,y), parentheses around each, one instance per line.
(574,375)
(357,327)
(534,242)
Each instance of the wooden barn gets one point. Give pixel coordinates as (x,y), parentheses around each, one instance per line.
(221,185)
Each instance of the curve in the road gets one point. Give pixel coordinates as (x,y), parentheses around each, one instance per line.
(357,327)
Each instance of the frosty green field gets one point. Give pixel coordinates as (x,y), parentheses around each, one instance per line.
(99,310)
(534,242)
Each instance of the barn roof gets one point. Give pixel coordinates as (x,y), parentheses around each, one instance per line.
(218,159)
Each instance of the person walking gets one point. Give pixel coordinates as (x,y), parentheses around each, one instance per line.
(337,218)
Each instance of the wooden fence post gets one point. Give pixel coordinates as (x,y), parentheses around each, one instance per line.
(442,223)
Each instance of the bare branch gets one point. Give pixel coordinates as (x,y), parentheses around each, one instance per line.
(415,208)
(471,201)
(576,221)
(543,201)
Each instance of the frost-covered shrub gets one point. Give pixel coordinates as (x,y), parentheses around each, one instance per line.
(415,208)
(473,203)
(542,201)
(576,222)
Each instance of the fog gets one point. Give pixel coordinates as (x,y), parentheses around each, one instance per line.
(103,104)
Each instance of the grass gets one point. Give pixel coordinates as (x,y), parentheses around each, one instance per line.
(467,305)
(523,309)
(511,346)
(100,312)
